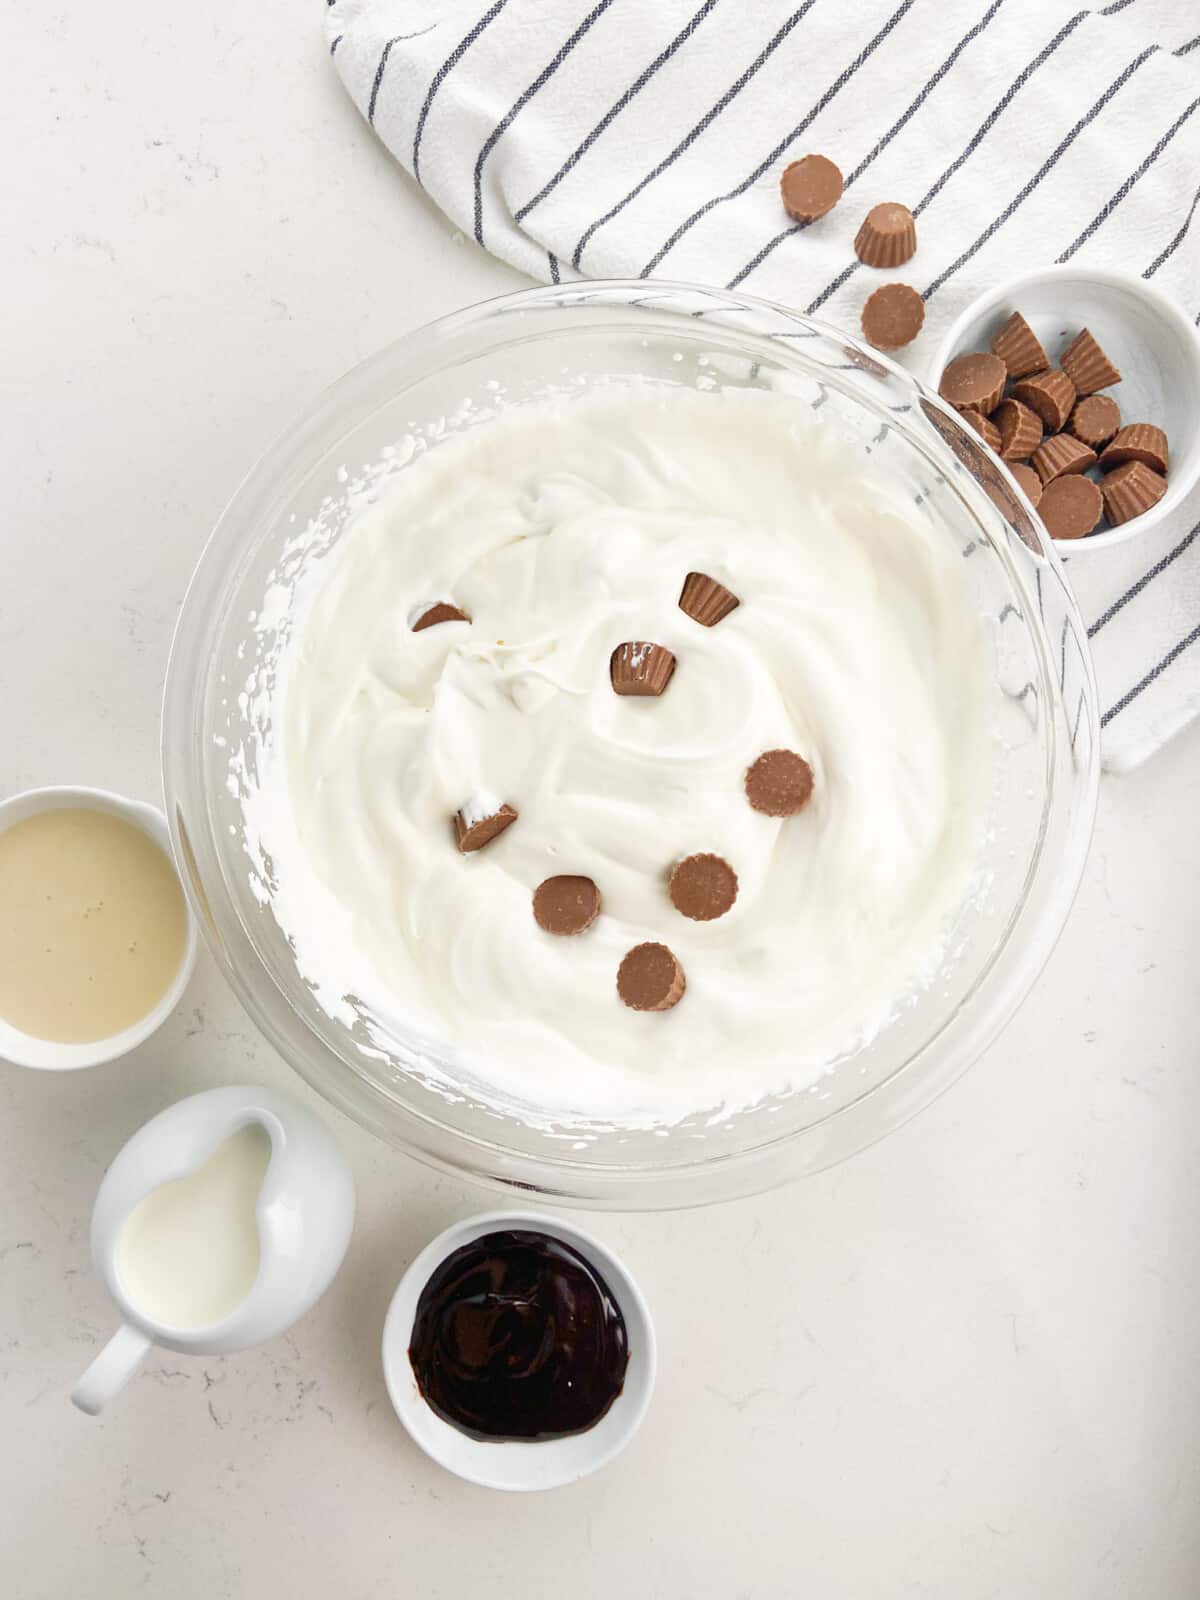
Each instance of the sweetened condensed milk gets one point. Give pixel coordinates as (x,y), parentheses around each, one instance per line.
(93,925)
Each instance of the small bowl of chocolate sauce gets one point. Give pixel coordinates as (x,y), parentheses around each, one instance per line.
(518,1351)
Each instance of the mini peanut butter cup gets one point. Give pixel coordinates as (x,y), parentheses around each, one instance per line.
(810,187)
(566,905)
(779,783)
(1130,490)
(974,381)
(1139,441)
(476,824)
(650,978)
(1087,366)
(1019,348)
(1061,454)
(1095,419)
(1051,394)
(1020,430)
(887,237)
(1070,507)
(640,668)
(984,427)
(1028,482)
(702,887)
(705,600)
(437,611)
(893,316)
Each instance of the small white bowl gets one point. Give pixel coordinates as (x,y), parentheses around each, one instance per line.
(518,1464)
(24,1049)
(1155,346)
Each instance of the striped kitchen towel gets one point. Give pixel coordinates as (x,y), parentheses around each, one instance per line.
(625,138)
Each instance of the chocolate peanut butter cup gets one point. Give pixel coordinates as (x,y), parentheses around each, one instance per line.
(984,427)
(1061,454)
(1020,430)
(1019,348)
(650,978)
(702,887)
(1130,490)
(478,823)
(1095,419)
(705,600)
(887,237)
(1138,441)
(893,316)
(1051,394)
(437,611)
(1087,366)
(641,668)
(1028,481)
(810,187)
(779,783)
(1071,506)
(566,904)
(974,381)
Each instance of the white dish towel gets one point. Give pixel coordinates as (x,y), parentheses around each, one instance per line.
(623,138)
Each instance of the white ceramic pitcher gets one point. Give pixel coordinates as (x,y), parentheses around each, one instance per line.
(304,1215)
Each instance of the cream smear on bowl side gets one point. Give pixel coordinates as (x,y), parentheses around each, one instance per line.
(563,527)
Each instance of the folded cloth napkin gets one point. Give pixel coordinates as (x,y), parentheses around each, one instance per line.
(624,138)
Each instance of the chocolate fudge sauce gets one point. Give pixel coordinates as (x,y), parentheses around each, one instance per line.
(516,1336)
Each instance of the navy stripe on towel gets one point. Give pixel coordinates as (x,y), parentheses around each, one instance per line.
(689,138)
(379,70)
(522,100)
(1130,183)
(387,50)
(1170,249)
(1155,672)
(1050,161)
(1147,577)
(614,111)
(443,72)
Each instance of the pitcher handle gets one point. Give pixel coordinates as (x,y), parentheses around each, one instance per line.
(111,1370)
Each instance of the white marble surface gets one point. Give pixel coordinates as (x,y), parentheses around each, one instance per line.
(962,1365)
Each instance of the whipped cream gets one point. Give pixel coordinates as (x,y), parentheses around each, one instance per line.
(564,527)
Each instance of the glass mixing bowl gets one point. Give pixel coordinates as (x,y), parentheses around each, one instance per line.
(1044,712)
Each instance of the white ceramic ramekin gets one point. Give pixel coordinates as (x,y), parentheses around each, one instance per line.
(23,1048)
(1153,343)
(519,1464)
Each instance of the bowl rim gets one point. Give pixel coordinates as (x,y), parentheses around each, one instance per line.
(565,1179)
(475,1459)
(53,1055)
(1180,483)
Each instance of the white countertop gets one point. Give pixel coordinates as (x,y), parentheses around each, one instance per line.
(962,1365)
